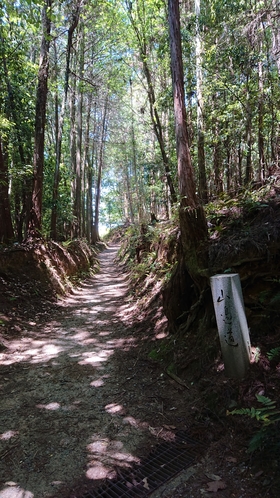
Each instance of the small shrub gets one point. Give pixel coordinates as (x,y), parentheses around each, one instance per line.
(273,354)
(269,416)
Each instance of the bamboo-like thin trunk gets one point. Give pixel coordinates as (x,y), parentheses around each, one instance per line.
(262,168)
(200,122)
(96,235)
(6,226)
(24,192)
(249,169)
(79,170)
(217,159)
(54,214)
(155,118)
(87,175)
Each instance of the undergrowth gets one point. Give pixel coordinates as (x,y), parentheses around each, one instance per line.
(140,251)
(269,416)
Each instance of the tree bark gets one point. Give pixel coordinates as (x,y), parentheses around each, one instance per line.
(156,122)
(217,159)
(23,192)
(136,177)
(262,168)
(6,226)
(248,136)
(73,26)
(87,169)
(187,187)
(73,146)
(129,204)
(79,123)
(249,168)
(158,130)
(192,217)
(274,22)
(96,236)
(35,221)
(200,122)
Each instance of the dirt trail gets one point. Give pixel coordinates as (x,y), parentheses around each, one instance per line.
(80,401)
(64,422)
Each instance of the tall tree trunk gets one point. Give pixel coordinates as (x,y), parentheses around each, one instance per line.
(96,236)
(79,121)
(89,224)
(136,179)
(274,18)
(73,26)
(192,218)
(228,168)
(273,90)
(187,187)
(248,136)
(249,168)
(92,177)
(200,122)
(87,168)
(261,171)
(129,203)
(23,192)
(73,156)
(217,159)
(78,190)
(239,166)
(6,226)
(155,119)
(35,221)
(158,130)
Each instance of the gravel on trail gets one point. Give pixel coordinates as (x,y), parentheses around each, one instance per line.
(77,403)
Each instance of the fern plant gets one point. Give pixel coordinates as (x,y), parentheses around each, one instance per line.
(273,353)
(269,416)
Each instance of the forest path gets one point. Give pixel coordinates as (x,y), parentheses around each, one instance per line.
(81,400)
(72,407)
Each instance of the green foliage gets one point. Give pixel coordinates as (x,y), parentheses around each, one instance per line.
(274,353)
(228,212)
(119,38)
(154,243)
(162,352)
(263,296)
(66,243)
(269,416)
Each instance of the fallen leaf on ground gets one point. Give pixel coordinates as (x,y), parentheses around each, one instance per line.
(214,486)
(258,474)
(145,481)
(213,477)
(169,427)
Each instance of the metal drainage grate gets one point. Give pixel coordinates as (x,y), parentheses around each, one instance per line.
(167,460)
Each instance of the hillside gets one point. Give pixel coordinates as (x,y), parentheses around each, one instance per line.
(244,238)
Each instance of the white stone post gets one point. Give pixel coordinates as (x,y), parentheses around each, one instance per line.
(232,324)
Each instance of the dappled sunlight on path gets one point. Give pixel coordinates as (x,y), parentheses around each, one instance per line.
(87,318)
(60,416)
